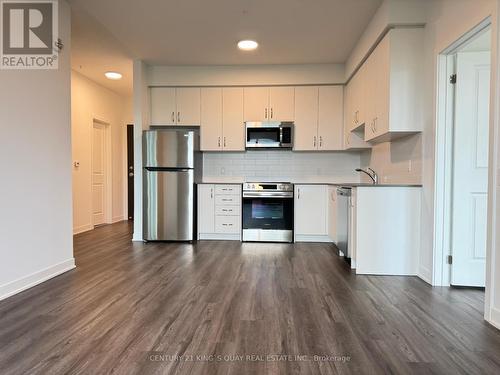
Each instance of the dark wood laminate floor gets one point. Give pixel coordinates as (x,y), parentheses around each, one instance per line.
(131,308)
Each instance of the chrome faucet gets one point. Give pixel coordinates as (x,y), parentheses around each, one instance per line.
(371,173)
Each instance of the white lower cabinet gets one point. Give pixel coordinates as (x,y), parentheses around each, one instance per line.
(332,213)
(385,230)
(311,213)
(219,212)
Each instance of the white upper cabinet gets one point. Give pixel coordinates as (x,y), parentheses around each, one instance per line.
(319,114)
(281,104)
(353,140)
(232,119)
(256,103)
(188,106)
(222,127)
(306,118)
(269,103)
(175,106)
(330,118)
(163,109)
(394,86)
(211,119)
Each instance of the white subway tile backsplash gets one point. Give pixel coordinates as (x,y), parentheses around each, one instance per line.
(282,165)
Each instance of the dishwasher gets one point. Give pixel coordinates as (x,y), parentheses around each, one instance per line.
(343,220)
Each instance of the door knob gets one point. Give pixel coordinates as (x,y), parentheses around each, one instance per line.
(131,174)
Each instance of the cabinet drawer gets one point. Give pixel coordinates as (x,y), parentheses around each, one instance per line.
(227,224)
(224,200)
(228,210)
(227,190)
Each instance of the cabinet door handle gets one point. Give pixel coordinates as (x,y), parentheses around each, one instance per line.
(224,141)
(173,117)
(298,193)
(218,142)
(314,141)
(178,117)
(265,113)
(211,193)
(271,112)
(320,141)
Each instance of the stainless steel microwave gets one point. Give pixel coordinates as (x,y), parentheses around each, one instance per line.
(269,134)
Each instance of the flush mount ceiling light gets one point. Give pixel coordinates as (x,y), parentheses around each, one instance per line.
(113,75)
(247,45)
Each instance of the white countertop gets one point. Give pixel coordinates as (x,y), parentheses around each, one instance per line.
(306,181)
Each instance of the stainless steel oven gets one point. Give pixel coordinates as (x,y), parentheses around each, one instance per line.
(269,134)
(268,212)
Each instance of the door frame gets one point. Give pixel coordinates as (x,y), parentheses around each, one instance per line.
(108,194)
(443,168)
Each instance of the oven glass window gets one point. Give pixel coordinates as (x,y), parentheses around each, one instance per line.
(268,213)
(272,210)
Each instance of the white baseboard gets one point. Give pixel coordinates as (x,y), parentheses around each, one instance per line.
(306,238)
(83,228)
(36,278)
(495,318)
(116,219)
(219,236)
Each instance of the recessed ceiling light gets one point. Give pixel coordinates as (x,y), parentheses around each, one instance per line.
(113,75)
(247,45)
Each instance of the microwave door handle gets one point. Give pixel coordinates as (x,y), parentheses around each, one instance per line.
(281,136)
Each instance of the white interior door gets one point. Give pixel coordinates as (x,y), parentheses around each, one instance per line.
(98,173)
(470,172)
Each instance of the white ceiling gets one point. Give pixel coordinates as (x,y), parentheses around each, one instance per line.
(205,32)
(94,51)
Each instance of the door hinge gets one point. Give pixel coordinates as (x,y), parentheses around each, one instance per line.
(453,79)
(450,259)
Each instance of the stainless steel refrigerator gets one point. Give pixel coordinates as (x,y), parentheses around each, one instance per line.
(172,165)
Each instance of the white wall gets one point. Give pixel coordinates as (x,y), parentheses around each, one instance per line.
(390,13)
(399,161)
(35,160)
(91,101)
(281,166)
(245,75)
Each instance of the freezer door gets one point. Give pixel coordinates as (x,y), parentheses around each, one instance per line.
(168,205)
(169,148)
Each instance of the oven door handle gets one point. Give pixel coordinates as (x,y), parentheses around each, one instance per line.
(268,195)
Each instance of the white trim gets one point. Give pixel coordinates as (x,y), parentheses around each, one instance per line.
(425,274)
(35,278)
(444,156)
(82,228)
(117,219)
(490,305)
(307,238)
(494,318)
(219,237)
